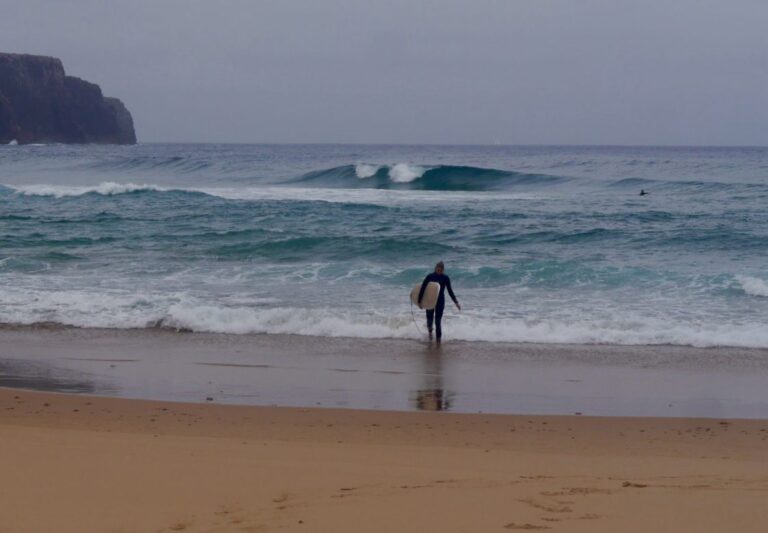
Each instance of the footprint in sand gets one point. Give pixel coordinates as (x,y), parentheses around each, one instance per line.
(282,500)
(344,491)
(283,497)
(226,510)
(513,525)
(575,491)
(547,507)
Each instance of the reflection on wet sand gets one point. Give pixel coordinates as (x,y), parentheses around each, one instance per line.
(391,374)
(43,376)
(432,395)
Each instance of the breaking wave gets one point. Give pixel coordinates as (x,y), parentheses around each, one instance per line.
(424,177)
(405,173)
(315,193)
(71,308)
(401,176)
(106,189)
(364,171)
(753,286)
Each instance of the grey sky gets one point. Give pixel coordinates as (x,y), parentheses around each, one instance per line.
(516,72)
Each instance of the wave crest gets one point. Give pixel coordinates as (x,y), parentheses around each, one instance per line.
(405,173)
(140,312)
(424,177)
(108,188)
(364,171)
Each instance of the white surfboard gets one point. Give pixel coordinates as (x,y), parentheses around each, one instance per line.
(431,292)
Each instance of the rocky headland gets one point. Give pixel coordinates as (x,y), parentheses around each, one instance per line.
(39,103)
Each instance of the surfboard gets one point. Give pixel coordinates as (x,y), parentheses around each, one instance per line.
(431,292)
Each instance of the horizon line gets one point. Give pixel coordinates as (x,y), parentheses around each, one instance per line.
(501,145)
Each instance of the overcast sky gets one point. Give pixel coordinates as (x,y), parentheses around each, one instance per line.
(512,71)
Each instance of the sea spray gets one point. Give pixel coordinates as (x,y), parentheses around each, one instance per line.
(753,286)
(364,171)
(405,173)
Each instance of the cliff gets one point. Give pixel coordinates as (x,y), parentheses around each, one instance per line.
(39,103)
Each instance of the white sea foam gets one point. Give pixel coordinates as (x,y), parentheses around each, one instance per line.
(362,196)
(333,323)
(405,173)
(319,322)
(105,188)
(364,170)
(753,286)
(136,309)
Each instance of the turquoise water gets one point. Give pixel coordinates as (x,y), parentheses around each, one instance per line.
(543,244)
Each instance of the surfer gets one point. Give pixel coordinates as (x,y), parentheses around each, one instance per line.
(436,315)
(643,192)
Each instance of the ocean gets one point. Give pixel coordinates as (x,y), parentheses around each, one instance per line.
(543,244)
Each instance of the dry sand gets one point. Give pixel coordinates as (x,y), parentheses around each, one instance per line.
(80,464)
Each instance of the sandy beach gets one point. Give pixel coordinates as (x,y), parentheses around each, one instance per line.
(82,463)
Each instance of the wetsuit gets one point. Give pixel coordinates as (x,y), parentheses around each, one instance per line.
(436,315)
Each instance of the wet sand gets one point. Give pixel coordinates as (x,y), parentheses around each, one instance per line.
(388,374)
(91,464)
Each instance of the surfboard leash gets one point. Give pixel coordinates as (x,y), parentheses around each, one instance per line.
(413,316)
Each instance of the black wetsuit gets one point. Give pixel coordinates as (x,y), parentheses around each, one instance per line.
(436,314)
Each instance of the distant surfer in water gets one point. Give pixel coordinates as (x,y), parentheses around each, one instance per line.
(436,315)
(643,192)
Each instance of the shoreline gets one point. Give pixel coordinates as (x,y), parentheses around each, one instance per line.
(161,329)
(402,375)
(83,463)
(137,406)
(168,330)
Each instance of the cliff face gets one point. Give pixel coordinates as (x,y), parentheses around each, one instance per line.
(39,103)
